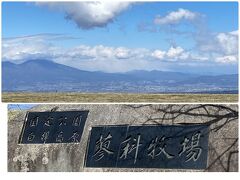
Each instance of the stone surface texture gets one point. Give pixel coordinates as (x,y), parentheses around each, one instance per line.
(223,135)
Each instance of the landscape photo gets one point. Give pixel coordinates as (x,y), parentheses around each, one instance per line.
(119,51)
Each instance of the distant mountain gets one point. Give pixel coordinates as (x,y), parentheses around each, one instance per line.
(220,80)
(161,75)
(48,71)
(44,75)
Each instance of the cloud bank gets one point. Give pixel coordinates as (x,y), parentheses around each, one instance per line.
(116,59)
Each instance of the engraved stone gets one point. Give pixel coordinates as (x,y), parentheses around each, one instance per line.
(53,127)
(148,146)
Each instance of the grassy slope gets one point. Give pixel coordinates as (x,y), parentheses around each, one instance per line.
(117,97)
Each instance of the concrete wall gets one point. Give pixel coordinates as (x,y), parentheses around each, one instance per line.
(223,136)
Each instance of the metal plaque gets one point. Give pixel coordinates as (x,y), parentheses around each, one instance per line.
(148,146)
(53,127)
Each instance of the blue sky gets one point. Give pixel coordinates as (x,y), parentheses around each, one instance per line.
(20,106)
(124,36)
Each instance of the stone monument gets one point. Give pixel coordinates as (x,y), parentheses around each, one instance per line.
(132,137)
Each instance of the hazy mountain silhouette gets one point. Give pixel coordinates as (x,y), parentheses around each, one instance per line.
(44,72)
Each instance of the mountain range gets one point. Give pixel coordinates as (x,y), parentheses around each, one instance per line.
(45,75)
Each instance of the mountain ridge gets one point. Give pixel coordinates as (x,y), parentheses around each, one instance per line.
(35,74)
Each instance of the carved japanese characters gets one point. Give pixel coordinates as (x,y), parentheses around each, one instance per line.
(148,146)
(53,127)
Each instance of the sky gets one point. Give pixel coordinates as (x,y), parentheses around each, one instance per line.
(196,37)
(20,106)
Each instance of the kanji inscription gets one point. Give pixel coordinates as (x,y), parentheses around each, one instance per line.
(53,127)
(148,146)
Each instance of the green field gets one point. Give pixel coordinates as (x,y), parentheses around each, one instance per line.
(117,97)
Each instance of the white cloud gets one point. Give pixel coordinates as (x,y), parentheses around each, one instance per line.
(89,15)
(122,53)
(175,52)
(25,48)
(228,42)
(227,59)
(175,17)
(210,45)
(199,57)
(158,54)
(185,56)
(234,33)
(101,51)
(218,47)
(105,58)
